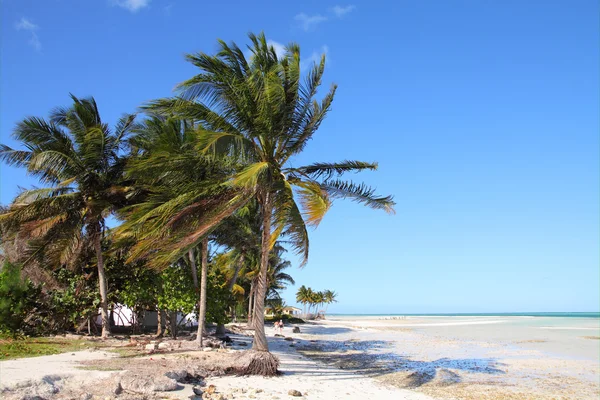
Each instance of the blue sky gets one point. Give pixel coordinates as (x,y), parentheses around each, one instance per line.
(483,115)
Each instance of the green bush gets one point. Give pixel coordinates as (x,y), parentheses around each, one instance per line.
(18,299)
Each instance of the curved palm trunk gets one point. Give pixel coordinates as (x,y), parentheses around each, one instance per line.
(203,277)
(102,286)
(260,339)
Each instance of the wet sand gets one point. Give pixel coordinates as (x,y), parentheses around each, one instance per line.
(467,357)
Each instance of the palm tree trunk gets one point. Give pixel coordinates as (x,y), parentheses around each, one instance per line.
(238,267)
(102,286)
(250,303)
(159,329)
(203,277)
(260,339)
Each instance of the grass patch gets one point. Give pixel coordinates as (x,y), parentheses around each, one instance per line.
(34,347)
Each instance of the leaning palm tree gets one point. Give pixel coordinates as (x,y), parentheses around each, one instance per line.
(261,111)
(81,160)
(180,187)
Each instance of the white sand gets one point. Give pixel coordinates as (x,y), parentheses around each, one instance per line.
(18,371)
(314,380)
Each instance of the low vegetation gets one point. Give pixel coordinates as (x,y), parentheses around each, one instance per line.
(11,348)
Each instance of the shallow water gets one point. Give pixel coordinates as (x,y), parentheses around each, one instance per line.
(569,337)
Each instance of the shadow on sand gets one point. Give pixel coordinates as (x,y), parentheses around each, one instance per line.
(376,358)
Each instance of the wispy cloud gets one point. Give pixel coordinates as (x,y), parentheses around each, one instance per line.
(314,58)
(26,25)
(340,11)
(168,8)
(279,48)
(309,22)
(131,5)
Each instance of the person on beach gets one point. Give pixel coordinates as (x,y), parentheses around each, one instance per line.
(280,326)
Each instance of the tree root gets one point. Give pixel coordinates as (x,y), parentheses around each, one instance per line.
(254,362)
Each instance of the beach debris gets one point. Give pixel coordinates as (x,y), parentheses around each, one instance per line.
(197,391)
(163,345)
(151,346)
(118,388)
(207,349)
(147,384)
(178,375)
(296,329)
(295,393)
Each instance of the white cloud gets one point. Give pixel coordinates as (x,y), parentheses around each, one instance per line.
(26,25)
(340,11)
(132,5)
(309,22)
(314,58)
(279,48)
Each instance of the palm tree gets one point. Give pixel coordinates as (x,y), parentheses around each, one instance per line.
(302,296)
(261,112)
(82,161)
(330,297)
(181,187)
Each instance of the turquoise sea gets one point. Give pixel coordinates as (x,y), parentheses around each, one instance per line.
(508,314)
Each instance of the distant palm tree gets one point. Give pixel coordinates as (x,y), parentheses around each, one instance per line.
(81,160)
(262,112)
(302,297)
(330,297)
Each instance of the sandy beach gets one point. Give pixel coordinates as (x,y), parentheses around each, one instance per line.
(377,358)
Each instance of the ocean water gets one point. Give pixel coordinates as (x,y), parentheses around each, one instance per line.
(520,314)
(573,335)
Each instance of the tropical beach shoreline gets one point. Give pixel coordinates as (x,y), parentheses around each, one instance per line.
(374,357)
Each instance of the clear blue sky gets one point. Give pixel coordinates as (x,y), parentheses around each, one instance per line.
(483,115)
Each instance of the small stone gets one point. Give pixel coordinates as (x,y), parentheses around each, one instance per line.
(207,349)
(295,393)
(118,389)
(296,330)
(289,339)
(86,396)
(197,391)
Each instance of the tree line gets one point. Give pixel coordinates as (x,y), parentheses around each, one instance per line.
(209,168)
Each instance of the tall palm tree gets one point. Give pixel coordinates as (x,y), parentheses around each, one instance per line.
(262,112)
(81,160)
